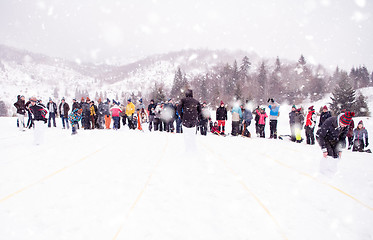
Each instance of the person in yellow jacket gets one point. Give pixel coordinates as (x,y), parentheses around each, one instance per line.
(93,109)
(130,110)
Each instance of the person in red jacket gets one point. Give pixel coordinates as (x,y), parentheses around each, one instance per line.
(310,126)
(262,121)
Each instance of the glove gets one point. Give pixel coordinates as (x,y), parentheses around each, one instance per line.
(268,100)
(366,142)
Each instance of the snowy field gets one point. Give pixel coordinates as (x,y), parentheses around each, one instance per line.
(105,184)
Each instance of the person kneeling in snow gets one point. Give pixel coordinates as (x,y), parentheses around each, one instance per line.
(360,134)
(332,134)
(74,117)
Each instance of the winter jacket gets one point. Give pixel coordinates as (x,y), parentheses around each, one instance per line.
(350,132)
(236,114)
(100,109)
(190,110)
(323,117)
(158,111)
(299,119)
(262,117)
(311,119)
(106,109)
(221,113)
(115,111)
(292,115)
(275,111)
(330,132)
(54,107)
(151,109)
(361,134)
(86,109)
(74,116)
(38,112)
(205,114)
(65,107)
(21,106)
(247,116)
(92,110)
(76,105)
(130,109)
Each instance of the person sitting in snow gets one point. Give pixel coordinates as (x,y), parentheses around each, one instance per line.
(332,134)
(262,121)
(360,135)
(215,129)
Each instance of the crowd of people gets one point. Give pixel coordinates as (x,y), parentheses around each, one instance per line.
(190,114)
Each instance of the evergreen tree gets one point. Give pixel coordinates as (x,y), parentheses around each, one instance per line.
(158,93)
(361,107)
(262,81)
(179,86)
(343,95)
(236,82)
(275,88)
(364,76)
(3,109)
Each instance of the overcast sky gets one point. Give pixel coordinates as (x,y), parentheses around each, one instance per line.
(330,32)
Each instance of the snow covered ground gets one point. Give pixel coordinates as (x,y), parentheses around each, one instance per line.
(105,184)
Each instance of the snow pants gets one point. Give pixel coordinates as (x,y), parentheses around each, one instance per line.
(203,127)
(358,146)
(292,132)
(107,121)
(273,128)
(310,136)
(151,122)
(261,130)
(116,123)
(158,125)
(235,127)
(179,126)
(333,149)
(222,124)
(21,121)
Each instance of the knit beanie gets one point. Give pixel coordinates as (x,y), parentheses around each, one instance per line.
(221,102)
(325,107)
(346,118)
(361,122)
(311,108)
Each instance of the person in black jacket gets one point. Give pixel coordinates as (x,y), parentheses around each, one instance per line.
(21,111)
(292,115)
(39,113)
(221,117)
(151,113)
(324,115)
(189,110)
(332,134)
(52,108)
(64,109)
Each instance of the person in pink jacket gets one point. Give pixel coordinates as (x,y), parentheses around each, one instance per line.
(262,121)
(115,113)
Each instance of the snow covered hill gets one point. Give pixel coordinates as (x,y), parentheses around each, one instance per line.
(31,74)
(106,184)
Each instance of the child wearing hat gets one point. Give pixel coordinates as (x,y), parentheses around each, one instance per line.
(360,135)
(325,114)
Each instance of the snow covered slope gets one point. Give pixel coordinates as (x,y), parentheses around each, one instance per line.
(106,184)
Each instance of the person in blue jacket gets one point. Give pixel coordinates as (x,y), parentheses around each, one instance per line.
(273,115)
(236,116)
